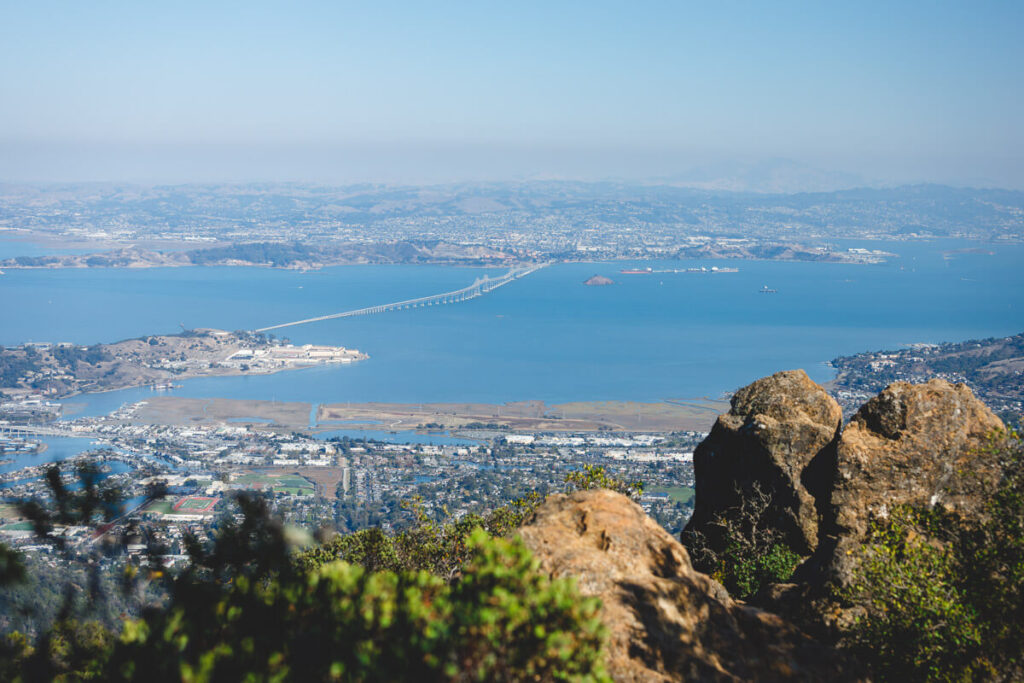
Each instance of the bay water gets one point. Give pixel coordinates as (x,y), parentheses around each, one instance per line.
(645,337)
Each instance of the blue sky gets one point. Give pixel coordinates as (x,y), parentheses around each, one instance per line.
(405,91)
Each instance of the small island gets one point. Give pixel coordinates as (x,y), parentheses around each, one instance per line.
(63,369)
(599,281)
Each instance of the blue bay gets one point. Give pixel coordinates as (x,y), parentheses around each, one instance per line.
(647,337)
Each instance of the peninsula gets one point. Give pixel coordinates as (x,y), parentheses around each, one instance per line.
(63,369)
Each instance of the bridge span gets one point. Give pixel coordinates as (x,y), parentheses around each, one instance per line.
(480,287)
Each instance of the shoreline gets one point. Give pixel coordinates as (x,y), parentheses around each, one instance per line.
(158,361)
(310,267)
(186,377)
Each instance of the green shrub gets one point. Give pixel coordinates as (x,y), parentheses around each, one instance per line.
(71,650)
(744,551)
(439,548)
(596,477)
(944,597)
(502,619)
(918,623)
(744,569)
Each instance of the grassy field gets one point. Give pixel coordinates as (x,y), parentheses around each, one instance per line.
(677,494)
(9,511)
(17,526)
(288,484)
(255,479)
(162,506)
(290,491)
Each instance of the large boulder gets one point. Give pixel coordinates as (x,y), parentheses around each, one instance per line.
(776,443)
(667,622)
(913,444)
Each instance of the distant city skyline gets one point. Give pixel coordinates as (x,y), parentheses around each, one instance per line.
(744,95)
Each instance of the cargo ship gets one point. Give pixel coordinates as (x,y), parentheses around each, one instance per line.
(643,271)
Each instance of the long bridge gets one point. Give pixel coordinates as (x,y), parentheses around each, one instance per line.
(480,287)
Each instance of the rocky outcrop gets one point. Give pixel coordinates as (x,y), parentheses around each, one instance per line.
(667,622)
(777,440)
(913,444)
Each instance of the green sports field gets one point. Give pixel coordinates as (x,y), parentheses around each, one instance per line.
(677,494)
(195,504)
(288,484)
(162,507)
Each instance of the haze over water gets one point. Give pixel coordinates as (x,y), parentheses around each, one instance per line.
(647,337)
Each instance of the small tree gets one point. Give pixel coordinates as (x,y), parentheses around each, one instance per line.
(596,477)
(749,553)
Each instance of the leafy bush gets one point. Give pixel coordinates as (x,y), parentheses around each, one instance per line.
(439,602)
(439,548)
(747,553)
(502,619)
(944,598)
(918,623)
(596,477)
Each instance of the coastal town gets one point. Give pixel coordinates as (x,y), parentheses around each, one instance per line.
(992,368)
(178,479)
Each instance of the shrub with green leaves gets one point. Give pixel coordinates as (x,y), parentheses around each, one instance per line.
(439,548)
(437,602)
(943,597)
(597,477)
(502,619)
(745,569)
(918,623)
(746,552)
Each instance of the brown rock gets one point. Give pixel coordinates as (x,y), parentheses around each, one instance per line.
(667,622)
(778,438)
(916,444)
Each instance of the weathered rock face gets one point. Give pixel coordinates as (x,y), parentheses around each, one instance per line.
(667,622)
(917,444)
(779,437)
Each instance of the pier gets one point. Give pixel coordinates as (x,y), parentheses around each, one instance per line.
(25,431)
(479,287)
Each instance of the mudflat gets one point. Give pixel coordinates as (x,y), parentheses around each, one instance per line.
(177,410)
(534,416)
(658,416)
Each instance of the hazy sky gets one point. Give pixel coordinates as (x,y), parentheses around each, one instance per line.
(424,91)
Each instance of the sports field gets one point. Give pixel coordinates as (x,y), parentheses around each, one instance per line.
(195,504)
(677,494)
(289,484)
